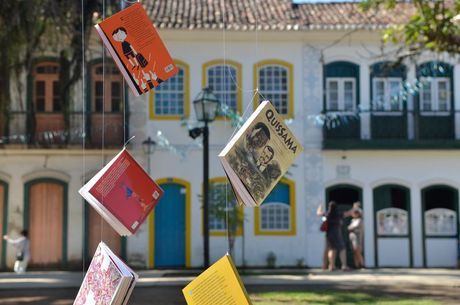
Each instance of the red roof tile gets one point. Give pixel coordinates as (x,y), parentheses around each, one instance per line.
(282,15)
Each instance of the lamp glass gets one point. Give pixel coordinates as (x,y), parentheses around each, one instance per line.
(149,146)
(206,105)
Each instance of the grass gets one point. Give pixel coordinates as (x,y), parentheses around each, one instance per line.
(332,298)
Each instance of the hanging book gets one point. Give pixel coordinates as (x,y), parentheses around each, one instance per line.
(258,155)
(137,49)
(122,193)
(108,281)
(220,284)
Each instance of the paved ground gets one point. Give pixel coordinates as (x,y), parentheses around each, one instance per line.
(164,287)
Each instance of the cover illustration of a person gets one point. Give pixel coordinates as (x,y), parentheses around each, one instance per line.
(142,77)
(253,161)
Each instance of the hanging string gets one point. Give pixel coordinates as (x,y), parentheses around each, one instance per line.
(226,86)
(103,115)
(83,142)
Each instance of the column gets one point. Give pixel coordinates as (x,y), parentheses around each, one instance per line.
(411,79)
(456,100)
(313,164)
(364,102)
(416,226)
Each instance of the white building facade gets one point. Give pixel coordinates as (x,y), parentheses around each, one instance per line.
(369,133)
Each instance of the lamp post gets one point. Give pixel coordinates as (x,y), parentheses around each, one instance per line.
(206,106)
(148,146)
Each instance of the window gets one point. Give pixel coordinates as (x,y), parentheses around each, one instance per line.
(435,94)
(276,215)
(107,91)
(387,94)
(221,197)
(274,80)
(46,88)
(340,94)
(170,99)
(224,78)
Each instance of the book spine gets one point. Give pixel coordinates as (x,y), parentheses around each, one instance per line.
(238,278)
(117,60)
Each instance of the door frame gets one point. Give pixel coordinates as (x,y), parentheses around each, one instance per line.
(26,216)
(4,228)
(151,222)
(409,224)
(360,199)
(456,206)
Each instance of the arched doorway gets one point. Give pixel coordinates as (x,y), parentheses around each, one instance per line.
(392,225)
(170,240)
(440,226)
(345,195)
(45,216)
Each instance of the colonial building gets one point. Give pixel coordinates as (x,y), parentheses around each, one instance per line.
(384,134)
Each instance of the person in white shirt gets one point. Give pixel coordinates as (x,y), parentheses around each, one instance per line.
(22,251)
(356,236)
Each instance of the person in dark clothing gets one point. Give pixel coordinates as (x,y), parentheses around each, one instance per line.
(334,238)
(120,35)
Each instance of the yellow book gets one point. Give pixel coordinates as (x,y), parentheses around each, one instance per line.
(259,154)
(220,284)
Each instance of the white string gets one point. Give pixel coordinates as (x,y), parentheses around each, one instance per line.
(103,115)
(245,112)
(227,71)
(83,142)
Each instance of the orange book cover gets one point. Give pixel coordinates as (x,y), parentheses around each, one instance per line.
(137,49)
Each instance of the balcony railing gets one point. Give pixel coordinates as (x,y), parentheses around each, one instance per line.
(390,129)
(56,130)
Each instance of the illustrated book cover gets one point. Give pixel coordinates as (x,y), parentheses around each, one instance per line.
(108,281)
(220,284)
(123,193)
(137,48)
(259,154)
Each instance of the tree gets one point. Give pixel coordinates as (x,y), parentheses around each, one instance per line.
(224,209)
(29,28)
(430,28)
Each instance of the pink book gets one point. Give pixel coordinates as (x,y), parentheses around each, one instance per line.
(108,281)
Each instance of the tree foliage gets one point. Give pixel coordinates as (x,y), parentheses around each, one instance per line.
(431,27)
(34,28)
(224,208)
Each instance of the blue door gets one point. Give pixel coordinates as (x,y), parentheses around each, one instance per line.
(170,227)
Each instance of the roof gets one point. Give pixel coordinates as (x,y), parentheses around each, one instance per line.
(281,15)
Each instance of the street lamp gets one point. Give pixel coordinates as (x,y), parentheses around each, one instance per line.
(206,107)
(148,146)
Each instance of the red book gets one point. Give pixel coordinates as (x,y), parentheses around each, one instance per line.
(137,49)
(123,193)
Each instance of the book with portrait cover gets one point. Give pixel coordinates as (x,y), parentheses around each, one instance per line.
(108,281)
(259,154)
(136,48)
(122,193)
(220,284)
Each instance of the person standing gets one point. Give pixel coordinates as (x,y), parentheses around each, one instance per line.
(356,235)
(335,242)
(22,251)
